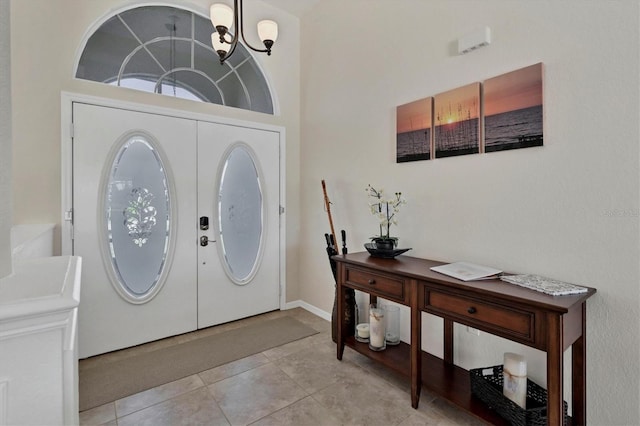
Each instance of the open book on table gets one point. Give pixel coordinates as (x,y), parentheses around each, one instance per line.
(466,271)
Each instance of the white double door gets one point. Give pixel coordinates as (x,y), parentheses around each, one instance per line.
(177,222)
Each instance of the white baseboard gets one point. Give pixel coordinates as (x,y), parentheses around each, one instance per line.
(304,305)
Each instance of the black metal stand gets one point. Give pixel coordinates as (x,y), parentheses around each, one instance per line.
(349,313)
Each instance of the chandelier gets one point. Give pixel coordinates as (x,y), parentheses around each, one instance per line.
(223,18)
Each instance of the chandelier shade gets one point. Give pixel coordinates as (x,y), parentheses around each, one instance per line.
(218,45)
(268,30)
(221,15)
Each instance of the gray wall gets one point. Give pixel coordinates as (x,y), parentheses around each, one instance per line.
(568,210)
(5,141)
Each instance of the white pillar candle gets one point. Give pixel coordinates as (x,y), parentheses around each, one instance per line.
(363,330)
(515,378)
(377,328)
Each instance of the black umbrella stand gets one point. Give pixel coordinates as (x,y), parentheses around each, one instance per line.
(350,294)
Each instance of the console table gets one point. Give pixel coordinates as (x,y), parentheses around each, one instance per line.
(551,324)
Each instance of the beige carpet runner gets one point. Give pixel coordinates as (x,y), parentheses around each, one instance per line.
(111,381)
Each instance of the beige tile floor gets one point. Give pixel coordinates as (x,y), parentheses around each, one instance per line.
(299,383)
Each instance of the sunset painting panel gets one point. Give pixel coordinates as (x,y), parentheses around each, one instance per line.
(457,121)
(413,131)
(513,110)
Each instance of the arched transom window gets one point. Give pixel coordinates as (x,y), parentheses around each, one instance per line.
(168,50)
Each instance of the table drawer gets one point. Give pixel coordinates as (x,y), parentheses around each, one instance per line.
(502,320)
(392,288)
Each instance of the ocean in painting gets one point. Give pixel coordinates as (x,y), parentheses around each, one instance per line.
(521,128)
(457,138)
(413,146)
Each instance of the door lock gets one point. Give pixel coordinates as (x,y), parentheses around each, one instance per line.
(204,223)
(204,241)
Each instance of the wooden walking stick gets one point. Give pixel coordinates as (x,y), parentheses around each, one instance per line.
(327,206)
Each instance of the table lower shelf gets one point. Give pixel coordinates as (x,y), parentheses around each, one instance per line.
(445,380)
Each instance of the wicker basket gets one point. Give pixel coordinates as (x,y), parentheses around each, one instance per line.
(486,384)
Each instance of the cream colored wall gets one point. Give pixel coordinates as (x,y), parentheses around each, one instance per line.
(46,39)
(568,210)
(5,141)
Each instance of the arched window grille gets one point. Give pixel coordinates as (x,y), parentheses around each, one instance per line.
(168,50)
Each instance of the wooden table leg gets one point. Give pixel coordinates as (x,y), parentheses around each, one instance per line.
(340,302)
(555,411)
(579,374)
(448,341)
(416,347)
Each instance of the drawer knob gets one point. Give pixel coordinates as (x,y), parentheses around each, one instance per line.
(472,310)
(372,281)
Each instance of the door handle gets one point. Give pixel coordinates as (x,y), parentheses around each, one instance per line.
(204,241)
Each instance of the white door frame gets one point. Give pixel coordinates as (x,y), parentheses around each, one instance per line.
(66,108)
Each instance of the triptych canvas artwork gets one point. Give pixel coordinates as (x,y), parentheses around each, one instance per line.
(501,113)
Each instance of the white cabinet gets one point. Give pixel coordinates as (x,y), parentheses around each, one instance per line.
(38,342)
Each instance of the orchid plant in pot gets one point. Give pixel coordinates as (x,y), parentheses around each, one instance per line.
(385,209)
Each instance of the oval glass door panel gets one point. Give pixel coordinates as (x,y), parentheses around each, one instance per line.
(137,219)
(240,214)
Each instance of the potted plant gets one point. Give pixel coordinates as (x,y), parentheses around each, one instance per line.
(385,209)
